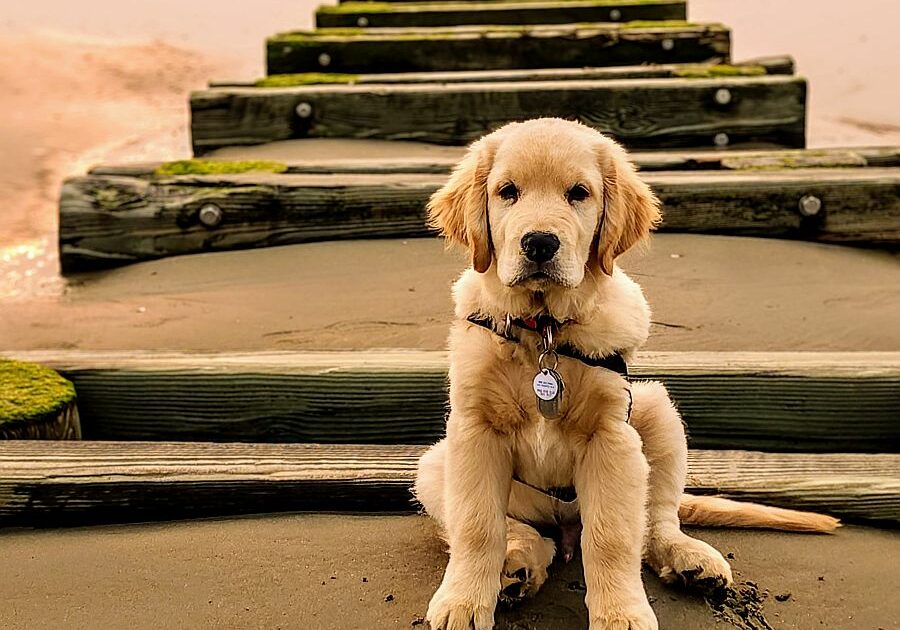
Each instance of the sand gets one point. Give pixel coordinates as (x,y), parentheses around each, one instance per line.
(353,572)
(708,293)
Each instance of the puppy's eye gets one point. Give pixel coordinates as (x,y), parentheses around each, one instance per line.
(509,192)
(576,193)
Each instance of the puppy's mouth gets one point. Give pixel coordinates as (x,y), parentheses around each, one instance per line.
(532,276)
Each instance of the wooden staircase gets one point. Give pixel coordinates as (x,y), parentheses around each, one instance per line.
(341,431)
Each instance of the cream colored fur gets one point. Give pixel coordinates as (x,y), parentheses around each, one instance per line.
(629,477)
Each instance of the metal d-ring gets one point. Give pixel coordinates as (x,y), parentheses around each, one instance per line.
(547,338)
(543,355)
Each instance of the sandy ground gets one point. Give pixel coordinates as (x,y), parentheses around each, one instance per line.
(708,293)
(352,572)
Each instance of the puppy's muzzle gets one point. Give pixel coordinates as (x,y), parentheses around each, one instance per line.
(540,247)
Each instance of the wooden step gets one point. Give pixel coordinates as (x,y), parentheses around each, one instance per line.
(419,49)
(60,484)
(702,160)
(115,220)
(746,400)
(377,14)
(761,111)
(752,67)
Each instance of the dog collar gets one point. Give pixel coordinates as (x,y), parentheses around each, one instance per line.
(615,361)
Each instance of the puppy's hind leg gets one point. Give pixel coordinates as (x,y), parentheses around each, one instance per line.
(429,486)
(670,552)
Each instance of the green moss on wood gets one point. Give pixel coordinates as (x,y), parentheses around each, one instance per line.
(218,167)
(412,7)
(795,161)
(360,7)
(708,71)
(659,24)
(30,391)
(408,33)
(306,78)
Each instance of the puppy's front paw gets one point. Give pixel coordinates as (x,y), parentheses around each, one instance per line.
(637,617)
(453,611)
(677,557)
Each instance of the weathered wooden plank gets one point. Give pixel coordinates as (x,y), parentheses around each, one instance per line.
(753,67)
(109,220)
(736,159)
(115,220)
(641,113)
(379,14)
(76,483)
(419,49)
(766,401)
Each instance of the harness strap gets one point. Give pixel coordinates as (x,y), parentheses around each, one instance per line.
(615,361)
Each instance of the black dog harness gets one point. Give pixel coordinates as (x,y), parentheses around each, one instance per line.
(615,361)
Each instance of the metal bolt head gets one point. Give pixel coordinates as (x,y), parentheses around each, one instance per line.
(304,110)
(723,96)
(362,21)
(210,215)
(615,15)
(809,205)
(668,44)
(721,139)
(324,59)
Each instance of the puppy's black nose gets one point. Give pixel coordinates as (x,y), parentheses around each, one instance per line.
(540,247)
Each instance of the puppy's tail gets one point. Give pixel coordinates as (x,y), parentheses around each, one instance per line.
(720,512)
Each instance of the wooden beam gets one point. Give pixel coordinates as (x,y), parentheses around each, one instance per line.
(702,160)
(754,67)
(113,220)
(757,401)
(78,483)
(377,14)
(641,113)
(417,49)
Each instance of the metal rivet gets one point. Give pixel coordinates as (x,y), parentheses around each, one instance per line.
(304,110)
(615,15)
(810,205)
(324,59)
(210,215)
(362,21)
(668,44)
(723,96)
(721,139)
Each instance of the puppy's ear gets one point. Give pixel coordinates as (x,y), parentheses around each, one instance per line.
(630,208)
(459,209)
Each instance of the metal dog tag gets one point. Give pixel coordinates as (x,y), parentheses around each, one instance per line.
(549,387)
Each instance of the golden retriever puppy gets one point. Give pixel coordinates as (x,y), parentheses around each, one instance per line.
(539,400)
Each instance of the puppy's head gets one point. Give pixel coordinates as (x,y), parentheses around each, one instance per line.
(539,202)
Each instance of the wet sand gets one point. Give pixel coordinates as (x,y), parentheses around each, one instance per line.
(324,572)
(707,293)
